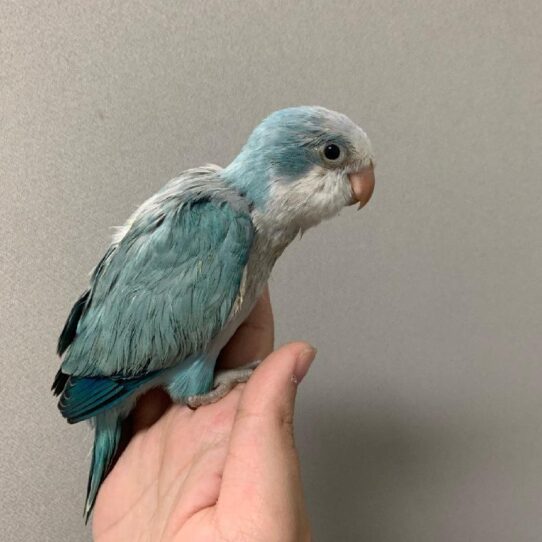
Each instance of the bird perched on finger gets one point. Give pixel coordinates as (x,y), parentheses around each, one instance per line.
(189,265)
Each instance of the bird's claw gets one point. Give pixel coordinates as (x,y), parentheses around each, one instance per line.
(224,382)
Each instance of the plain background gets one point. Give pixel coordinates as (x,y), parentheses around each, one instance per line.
(421,418)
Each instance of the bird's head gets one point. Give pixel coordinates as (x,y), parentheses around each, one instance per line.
(304,164)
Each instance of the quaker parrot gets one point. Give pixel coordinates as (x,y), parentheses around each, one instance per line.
(189,265)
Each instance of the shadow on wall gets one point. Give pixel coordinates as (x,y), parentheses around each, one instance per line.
(371,473)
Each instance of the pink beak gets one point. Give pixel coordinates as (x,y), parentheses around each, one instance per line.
(363,184)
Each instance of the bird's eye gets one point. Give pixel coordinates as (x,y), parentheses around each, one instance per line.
(332,152)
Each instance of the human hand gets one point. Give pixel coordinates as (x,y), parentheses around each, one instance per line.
(225,472)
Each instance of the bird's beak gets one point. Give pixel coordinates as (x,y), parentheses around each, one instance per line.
(363,184)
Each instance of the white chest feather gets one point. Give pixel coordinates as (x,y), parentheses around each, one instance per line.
(292,208)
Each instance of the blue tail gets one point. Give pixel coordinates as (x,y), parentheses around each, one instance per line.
(107,434)
(107,400)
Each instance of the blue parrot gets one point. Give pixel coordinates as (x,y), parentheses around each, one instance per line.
(189,265)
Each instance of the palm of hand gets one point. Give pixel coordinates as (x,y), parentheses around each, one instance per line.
(167,484)
(225,472)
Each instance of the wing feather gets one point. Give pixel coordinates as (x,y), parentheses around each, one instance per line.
(165,289)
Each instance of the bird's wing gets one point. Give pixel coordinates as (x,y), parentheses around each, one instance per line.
(162,293)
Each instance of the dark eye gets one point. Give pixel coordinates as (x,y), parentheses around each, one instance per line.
(332,151)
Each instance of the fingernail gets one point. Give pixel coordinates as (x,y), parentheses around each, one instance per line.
(303,362)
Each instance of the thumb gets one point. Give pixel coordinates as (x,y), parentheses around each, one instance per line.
(262,461)
(270,392)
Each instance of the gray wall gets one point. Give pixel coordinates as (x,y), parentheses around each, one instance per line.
(421,419)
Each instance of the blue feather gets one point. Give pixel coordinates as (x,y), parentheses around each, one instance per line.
(108,430)
(85,397)
(69,331)
(193,376)
(164,292)
(284,145)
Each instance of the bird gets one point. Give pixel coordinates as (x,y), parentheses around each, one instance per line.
(190,263)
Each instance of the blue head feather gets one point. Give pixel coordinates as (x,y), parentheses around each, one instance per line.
(287,145)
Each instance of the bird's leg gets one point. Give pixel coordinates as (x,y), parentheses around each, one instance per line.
(224,382)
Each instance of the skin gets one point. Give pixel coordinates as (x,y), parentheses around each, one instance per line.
(225,472)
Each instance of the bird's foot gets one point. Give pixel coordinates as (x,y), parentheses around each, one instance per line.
(224,382)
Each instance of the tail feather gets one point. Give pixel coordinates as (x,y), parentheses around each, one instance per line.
(108,428)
